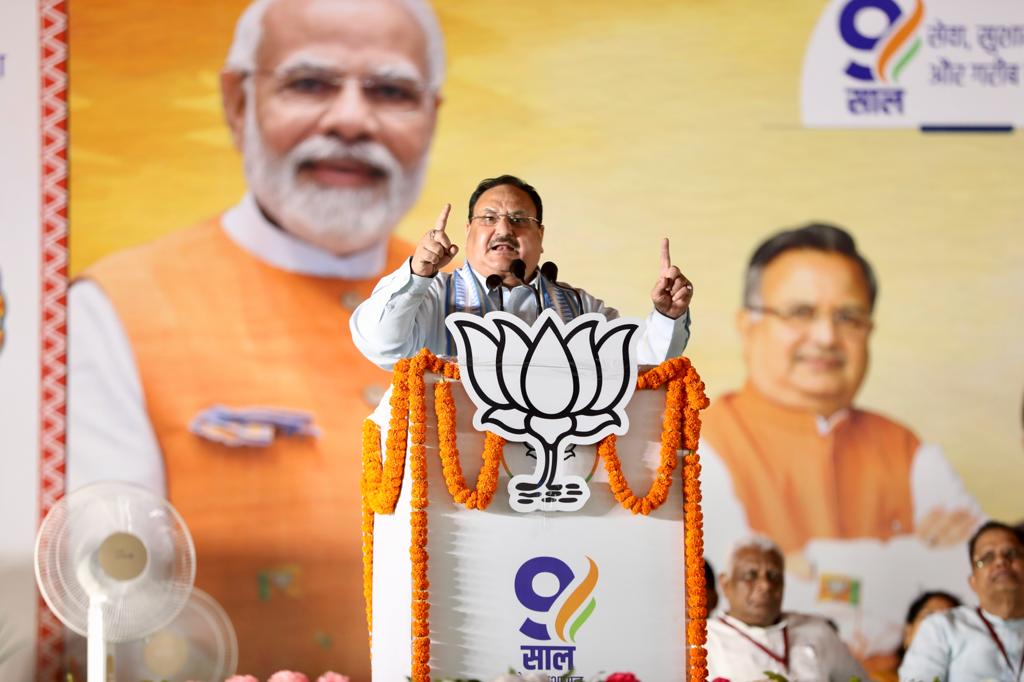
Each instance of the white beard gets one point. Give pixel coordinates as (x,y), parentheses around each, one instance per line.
(337,219)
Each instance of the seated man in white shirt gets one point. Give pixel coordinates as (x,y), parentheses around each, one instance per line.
(754,637)
(504,237)
(983,642)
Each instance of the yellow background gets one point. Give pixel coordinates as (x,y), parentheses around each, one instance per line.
(634,120)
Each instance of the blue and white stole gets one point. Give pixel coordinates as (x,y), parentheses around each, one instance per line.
(464,293)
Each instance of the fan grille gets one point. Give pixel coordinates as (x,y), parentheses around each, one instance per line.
(70,572)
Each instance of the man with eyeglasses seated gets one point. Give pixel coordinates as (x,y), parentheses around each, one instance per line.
(984,642)
(790,456)
(505,224)
(755,637)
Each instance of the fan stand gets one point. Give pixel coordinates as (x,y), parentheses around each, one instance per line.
(98,665)
(120,558)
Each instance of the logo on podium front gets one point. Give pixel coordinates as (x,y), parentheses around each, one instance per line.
(551,385)
(542,586)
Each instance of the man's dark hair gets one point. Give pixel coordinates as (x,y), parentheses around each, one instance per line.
(506,180)
(987,526)
(815,236)
(710,589)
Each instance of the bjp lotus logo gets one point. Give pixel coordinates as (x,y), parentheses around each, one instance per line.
(551,385)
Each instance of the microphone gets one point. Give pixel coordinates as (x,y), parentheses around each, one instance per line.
(518,268)
(493,282)
(549,271)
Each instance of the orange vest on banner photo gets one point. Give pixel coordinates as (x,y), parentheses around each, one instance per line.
(797,484)
(276,528)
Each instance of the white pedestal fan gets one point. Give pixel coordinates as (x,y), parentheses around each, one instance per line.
(114,563)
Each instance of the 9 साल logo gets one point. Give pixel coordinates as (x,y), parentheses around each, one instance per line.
(878,29)
(579,603)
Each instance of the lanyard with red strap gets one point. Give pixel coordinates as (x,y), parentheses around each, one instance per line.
(783,659)
(999,643)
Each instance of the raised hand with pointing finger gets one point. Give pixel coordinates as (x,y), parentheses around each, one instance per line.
(435,250)
(672,292)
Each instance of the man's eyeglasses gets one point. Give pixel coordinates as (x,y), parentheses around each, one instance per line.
(752,575)
(514,219)
(847,321)
(315,87)
(1009,554)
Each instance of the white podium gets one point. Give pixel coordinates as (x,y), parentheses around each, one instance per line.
(472,593)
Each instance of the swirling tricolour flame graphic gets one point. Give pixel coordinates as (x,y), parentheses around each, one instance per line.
(576,600)
(896,41)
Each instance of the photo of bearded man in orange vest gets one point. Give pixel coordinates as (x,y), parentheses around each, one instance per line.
(215,365)
(866,513)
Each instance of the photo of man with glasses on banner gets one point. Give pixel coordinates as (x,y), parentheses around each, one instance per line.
(842,490)
(214,365)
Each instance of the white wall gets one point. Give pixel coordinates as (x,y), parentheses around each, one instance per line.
(19,356)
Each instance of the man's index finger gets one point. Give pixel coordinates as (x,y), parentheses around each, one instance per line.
(442,219)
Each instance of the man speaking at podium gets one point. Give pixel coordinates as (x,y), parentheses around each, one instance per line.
(504,242)
(214,365)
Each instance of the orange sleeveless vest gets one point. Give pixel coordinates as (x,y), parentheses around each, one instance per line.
(276,529)
(796,484)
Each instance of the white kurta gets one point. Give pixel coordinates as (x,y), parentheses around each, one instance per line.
(956,645)
(109,434)
(406,313)
(816,653)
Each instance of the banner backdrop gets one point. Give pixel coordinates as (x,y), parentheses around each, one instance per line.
(635,121)
(677,119)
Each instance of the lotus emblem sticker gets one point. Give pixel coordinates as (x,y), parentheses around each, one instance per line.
(551,385)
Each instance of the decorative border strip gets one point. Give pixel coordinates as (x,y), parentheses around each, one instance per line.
(53,34)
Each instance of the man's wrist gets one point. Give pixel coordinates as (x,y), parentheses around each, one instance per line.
(413,272)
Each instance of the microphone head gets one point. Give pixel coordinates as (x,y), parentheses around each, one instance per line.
(518,268)
(493,281)
(549,271)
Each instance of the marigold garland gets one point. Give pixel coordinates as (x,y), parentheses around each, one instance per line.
(494,446)
(418,545)
(680,428)
(693,525)
(381,484)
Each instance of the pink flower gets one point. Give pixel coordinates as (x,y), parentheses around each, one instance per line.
(241,678)
(287,676)
(332,676)
(621,677)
